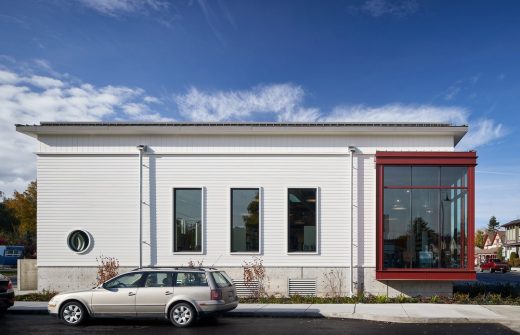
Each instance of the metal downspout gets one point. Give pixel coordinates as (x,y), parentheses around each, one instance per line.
(351,270)
(142,150)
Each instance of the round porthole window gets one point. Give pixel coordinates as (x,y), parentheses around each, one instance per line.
(79,241)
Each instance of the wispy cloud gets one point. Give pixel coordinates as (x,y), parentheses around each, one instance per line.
(286,102)
(216,13)
(462,85)
(124,7)
(397,8)
(28,98)
(283,101)
(482,131)
(399,113)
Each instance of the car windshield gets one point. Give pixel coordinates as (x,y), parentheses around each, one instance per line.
(221,279)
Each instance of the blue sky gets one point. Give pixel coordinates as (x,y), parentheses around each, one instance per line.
(367,60)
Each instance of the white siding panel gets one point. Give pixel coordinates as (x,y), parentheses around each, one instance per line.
(98,194)
(243,144)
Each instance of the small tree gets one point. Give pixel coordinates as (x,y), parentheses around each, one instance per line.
(479,239)
(493,224)
(500,253)
(108,267)
(254,276)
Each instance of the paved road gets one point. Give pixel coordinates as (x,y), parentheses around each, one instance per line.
(43,324)
(512,277)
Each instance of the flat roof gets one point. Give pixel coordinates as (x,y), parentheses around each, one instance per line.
(243,128)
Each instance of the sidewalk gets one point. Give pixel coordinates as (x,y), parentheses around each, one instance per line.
(403,313)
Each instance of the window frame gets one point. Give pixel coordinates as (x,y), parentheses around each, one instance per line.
(441,159)
(260,220)
(318,205)
(203,219)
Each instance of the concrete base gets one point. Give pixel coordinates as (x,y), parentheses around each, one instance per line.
(329,281)
(27,276)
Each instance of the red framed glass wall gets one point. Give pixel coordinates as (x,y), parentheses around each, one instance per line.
(425,215)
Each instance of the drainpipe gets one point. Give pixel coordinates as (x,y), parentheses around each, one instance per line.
(142,150)
(351,272)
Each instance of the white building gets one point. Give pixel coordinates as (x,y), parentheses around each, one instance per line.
(223,193)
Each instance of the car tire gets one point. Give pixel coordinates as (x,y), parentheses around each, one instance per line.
(492,270)
(73,313)
(182,315)
(481,270)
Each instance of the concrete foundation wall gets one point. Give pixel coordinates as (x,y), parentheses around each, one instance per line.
(276,281)
(27,276)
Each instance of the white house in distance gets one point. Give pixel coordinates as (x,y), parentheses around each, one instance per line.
(390,205)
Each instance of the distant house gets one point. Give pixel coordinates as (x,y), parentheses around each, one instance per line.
(493,241)
(512,237)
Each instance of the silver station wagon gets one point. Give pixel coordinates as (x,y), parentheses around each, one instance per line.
(179,294)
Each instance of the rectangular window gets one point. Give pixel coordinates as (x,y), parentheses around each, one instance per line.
(245,220)
(187,219)
(425,221)
(191,279)
(302,219)
(425,215)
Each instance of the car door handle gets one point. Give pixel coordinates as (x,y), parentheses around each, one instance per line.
(168,293)
(131,293)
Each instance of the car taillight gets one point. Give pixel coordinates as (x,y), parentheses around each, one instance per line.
(216,294)
(10,285)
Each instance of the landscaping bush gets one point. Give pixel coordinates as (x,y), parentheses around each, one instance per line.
(38,296)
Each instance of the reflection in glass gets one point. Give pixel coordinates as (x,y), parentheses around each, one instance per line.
(302,219)
(188,219)
(425,175)
(398,175)
(426,227)
(245,220)
(454,176)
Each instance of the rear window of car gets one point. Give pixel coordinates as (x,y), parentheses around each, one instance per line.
(191,279)
(221,279)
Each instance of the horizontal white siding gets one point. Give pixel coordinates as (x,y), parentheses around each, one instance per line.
(242,144)
(100,194)
(92,193)
(86,183)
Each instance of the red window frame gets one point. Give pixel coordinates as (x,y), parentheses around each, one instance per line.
(393,158)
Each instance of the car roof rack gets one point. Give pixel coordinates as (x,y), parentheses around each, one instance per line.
(198,268)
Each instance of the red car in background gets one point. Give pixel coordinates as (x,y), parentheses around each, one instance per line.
(495,264)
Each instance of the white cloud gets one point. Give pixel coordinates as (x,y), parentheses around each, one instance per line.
(398,113)
(284,101)
(124,7)
(481,132)
(29,98)
(398,8)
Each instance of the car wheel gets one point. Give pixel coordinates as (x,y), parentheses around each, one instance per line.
(504,270)
(73,313)
(182,315)
(481,270)
(492,270)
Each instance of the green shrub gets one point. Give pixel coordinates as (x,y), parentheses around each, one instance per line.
(38,296)
(381,299)
(513,255)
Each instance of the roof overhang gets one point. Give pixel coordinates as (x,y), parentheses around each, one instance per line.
(258,128)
